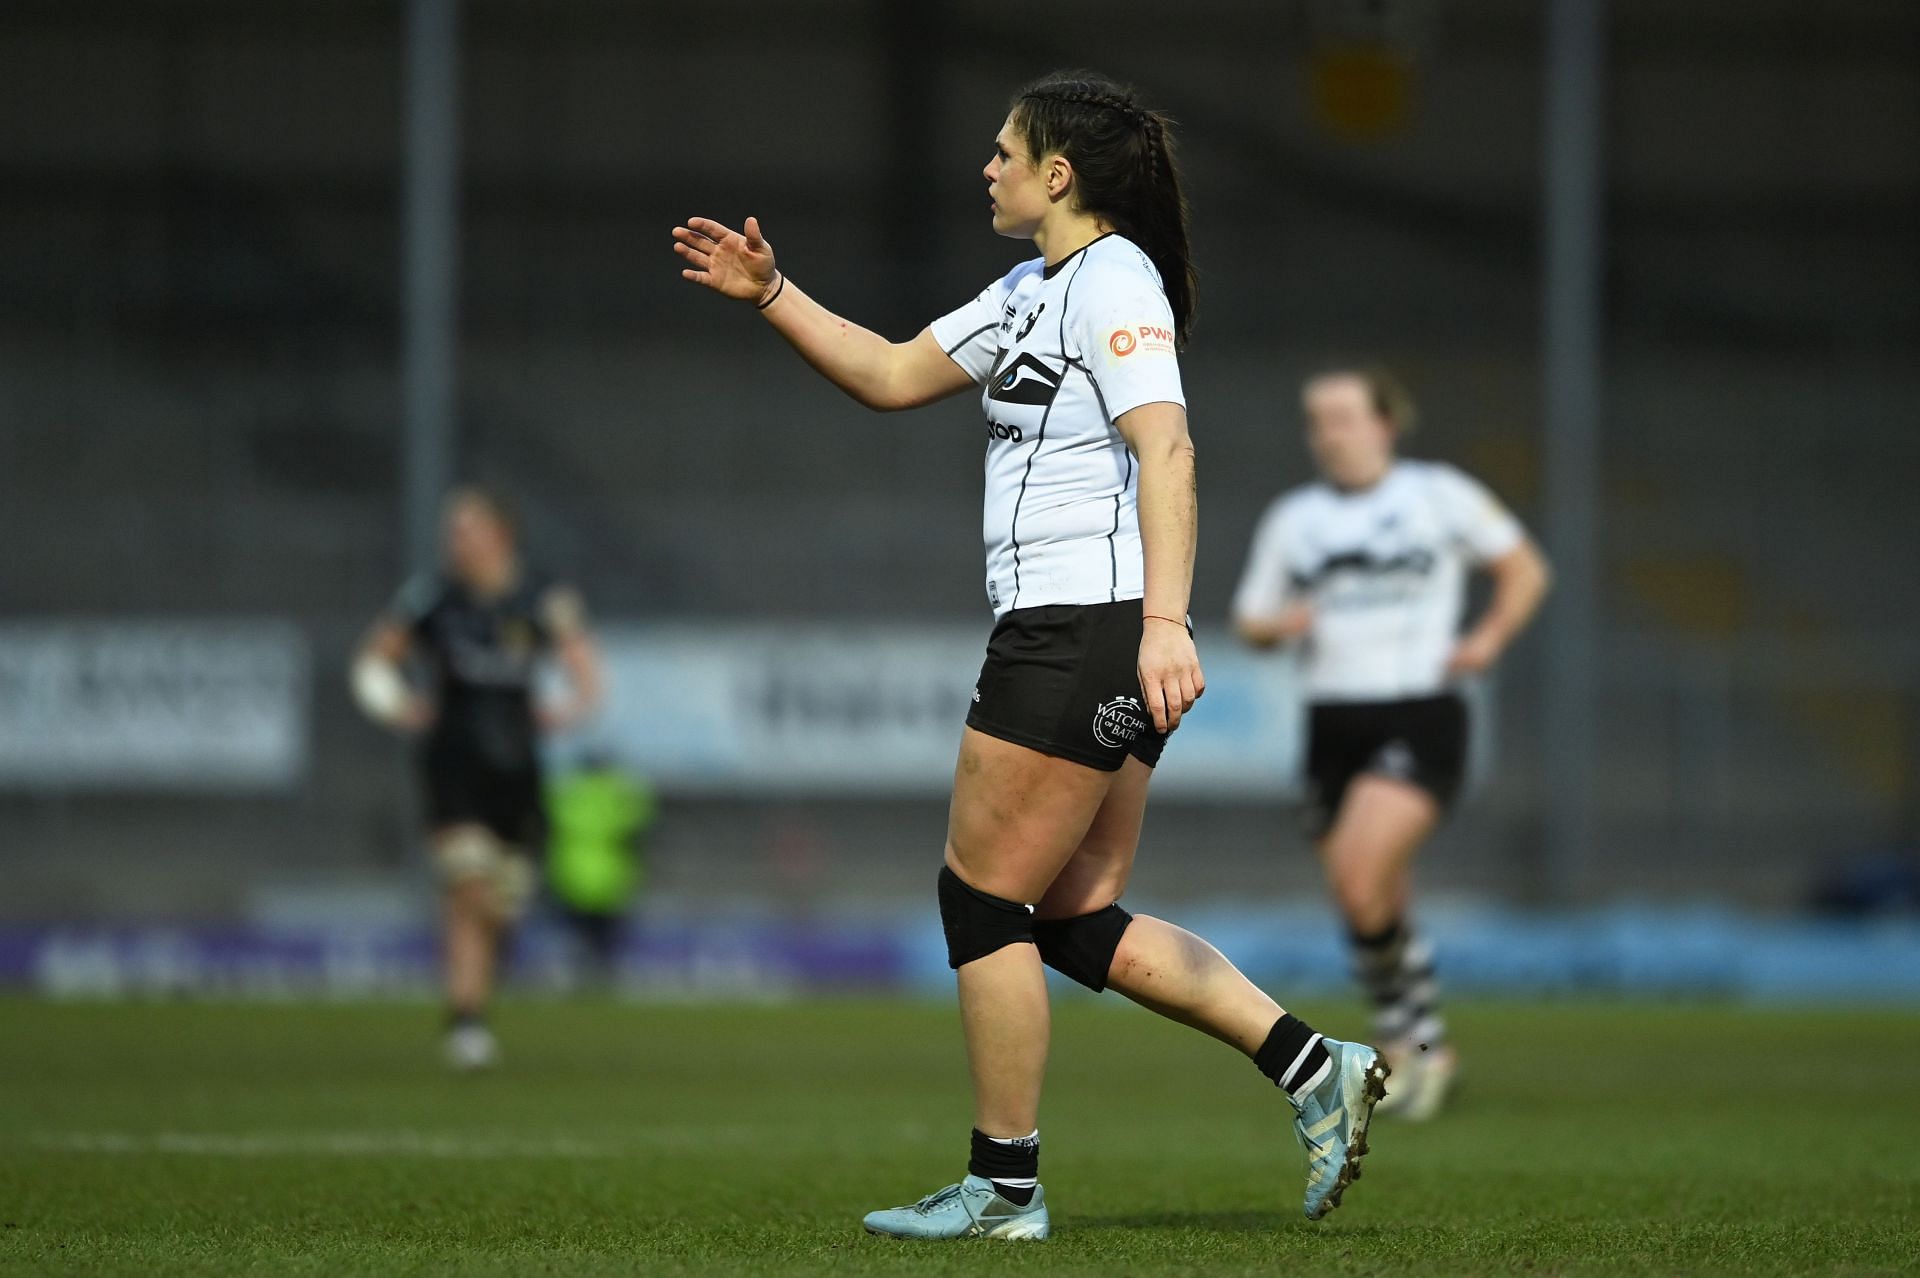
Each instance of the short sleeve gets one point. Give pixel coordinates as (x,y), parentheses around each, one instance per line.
(1474,516)
(1264,582)
(970,335)
(1123,328)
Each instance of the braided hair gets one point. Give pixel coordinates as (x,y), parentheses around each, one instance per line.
(1124,169)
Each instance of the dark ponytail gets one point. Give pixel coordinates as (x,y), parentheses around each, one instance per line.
(1124,170)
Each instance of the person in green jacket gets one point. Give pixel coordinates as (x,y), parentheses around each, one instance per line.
(595,865)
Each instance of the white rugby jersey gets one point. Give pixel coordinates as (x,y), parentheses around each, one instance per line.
(1061,352)
(1385,572)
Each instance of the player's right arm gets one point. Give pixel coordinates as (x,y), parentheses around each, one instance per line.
(1266,610)
(379,681)
(880,374)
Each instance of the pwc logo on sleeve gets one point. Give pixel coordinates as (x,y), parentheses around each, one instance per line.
(1151,338)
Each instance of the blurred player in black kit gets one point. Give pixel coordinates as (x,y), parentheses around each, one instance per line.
(480,629)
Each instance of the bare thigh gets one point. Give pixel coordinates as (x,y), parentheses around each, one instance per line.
(1018,815)
(1097,873)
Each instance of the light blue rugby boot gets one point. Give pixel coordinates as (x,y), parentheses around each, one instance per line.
(1331,1123)
(970,1209)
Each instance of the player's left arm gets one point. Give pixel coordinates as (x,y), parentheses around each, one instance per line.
(1521,579)
(1168,501)
(565,617)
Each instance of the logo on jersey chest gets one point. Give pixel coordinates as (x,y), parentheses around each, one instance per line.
(1367,565)
(1033,317)
(1024,381)
(489,648)
(1119,722)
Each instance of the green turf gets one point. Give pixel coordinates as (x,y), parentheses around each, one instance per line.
(191,1138)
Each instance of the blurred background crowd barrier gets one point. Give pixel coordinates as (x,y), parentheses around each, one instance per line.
(271,275)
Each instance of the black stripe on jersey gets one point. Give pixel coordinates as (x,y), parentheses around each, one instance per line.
(1419,562)
(1013,528)
(1113,560)
(1094,382)
(984,328)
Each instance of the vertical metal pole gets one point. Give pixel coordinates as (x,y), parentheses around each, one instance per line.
(1571,356)
(912,40)
(430,174)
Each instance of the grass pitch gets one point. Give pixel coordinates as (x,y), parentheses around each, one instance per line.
(228,1139)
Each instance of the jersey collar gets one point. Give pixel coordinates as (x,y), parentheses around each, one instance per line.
(1393,468)
(1054,270)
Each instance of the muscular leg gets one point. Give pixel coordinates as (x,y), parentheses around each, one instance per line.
(472,917)
(1017,817)
(1368,854)
(470,946)
(1029,828)
(1164,968)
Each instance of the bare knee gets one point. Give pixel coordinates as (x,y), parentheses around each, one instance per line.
(994,876)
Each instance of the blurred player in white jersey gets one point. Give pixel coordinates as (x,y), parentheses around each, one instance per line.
(1089,527)
(1366,570)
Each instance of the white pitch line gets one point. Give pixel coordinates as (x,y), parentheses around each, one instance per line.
(336,1144)
(633,1142)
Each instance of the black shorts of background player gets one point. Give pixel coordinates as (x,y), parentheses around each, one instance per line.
(1091,662)
(480,630)
(1365,570)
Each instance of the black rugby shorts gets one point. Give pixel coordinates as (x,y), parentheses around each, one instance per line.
(1064,679)
(463,788)
(1422,741)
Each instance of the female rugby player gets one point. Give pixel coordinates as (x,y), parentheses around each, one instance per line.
(482,628)
(1367,570)
(1090,531)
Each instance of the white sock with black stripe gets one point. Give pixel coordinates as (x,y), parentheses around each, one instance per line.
(1419,1005)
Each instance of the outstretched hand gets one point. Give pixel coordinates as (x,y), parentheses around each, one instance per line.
(726,261)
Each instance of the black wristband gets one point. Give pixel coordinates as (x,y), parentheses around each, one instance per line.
(778,289)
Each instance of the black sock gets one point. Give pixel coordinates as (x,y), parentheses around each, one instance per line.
(1379,963)
(458,1019)
(1293,1056)
(1012,1165)
(1382,949)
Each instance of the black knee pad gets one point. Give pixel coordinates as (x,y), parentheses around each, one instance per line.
(978,923)
(1082,947)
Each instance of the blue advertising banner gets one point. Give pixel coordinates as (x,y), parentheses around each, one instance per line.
(877,710)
